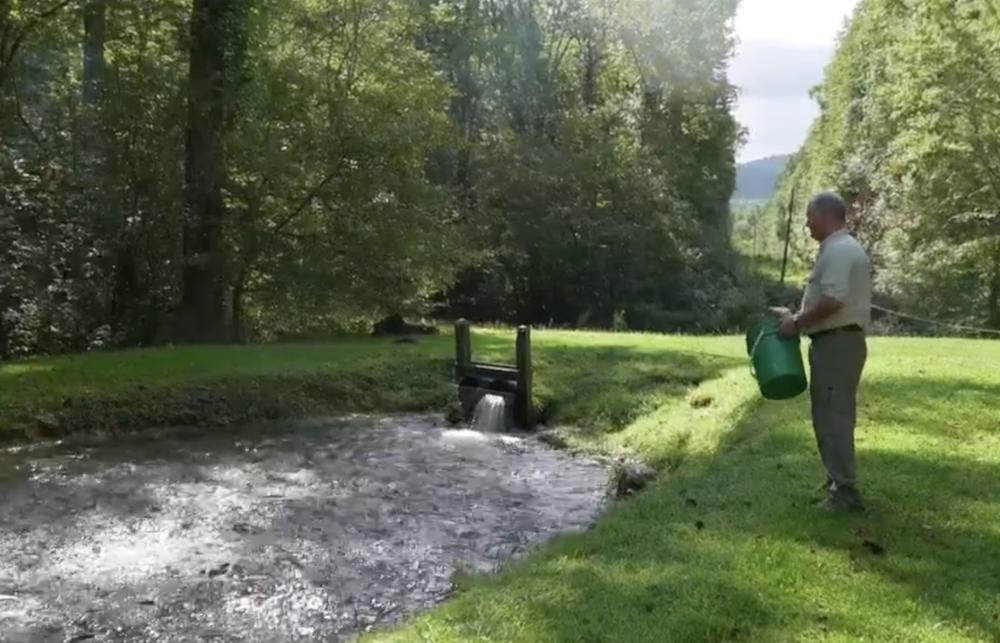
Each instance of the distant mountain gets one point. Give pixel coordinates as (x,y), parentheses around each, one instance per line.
(756,180)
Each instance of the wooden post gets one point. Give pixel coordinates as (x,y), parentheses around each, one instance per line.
(463,347)
(525,413)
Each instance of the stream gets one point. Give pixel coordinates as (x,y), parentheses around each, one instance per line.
(309,531)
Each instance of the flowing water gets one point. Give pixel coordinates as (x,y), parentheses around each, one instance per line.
(491,414)
(313,531)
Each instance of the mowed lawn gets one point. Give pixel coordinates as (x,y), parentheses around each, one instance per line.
(726,546)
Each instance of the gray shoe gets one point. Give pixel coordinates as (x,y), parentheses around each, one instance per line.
(843,499)
(823,492)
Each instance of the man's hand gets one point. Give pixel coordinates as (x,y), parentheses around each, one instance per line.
(824,308)
(789,328)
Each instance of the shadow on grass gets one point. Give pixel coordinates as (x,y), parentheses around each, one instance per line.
(122,371)
(732,548)
(930,532)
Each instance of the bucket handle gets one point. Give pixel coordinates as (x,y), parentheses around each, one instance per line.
(753,351)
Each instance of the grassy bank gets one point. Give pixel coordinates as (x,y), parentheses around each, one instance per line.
(729,547)
(594,380)
(217,385)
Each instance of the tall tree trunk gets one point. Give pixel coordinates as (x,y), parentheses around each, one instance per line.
(790,211)
(237,312)
(123,289)
(994,296)
(4,341)
(593,56)
(94,154)
(465,105)
(202,316)
(95,34)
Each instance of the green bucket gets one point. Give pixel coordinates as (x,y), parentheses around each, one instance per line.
(776,362)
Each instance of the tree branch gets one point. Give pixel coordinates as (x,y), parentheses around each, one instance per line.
(307,201)
(7,57)
(24,121)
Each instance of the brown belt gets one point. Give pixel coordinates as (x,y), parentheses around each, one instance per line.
(850,328)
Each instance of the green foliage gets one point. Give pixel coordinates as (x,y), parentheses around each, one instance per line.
(322,164)
(91,195)
(335,217)
(909,133)
(602,192)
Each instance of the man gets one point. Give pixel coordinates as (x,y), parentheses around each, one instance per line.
(835,311)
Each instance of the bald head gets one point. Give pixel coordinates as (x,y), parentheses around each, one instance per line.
(826,214)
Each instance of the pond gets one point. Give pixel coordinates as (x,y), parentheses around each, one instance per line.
(316,530)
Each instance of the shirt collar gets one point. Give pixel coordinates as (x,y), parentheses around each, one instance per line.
(833,237)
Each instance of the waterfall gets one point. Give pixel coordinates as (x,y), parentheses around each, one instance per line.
(491,414)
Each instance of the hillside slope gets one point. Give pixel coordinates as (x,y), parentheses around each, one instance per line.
(756,180)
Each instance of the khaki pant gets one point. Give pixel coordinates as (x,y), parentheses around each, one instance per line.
(837,360)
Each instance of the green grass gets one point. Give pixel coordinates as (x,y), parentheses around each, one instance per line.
(220,385)
(595,380)
(726,546)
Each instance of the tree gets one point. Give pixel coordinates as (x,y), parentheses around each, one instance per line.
(209,170)
(17,24)
(216,28)
(908,133)
(95,34)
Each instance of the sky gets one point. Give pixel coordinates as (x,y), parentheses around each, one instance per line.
(784,47)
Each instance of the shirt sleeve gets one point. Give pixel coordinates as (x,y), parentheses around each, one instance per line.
(835,276)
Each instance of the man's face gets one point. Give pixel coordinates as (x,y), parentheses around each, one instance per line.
(816,224)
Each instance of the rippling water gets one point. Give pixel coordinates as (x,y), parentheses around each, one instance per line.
(312,531)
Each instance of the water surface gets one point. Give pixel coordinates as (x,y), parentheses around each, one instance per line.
(310,531)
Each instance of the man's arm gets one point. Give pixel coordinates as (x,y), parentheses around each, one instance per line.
(825,307)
